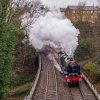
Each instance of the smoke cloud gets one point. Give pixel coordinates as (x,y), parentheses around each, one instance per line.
(55,31)
(51,28)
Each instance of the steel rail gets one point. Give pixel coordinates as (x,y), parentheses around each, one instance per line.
(84,98)
(51,94)
(76,96)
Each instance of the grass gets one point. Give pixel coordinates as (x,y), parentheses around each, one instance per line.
(98,60)
(21,91)
(19,80)
(20,86)
(90,66)
(98,86)
(92,69)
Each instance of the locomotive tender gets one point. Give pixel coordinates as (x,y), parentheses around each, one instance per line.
(70,69)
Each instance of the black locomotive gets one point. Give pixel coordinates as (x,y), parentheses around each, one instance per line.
(70,69)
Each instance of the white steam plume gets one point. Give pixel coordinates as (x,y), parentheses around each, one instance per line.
(52,29)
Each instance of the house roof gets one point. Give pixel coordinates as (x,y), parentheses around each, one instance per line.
(84,7)
(87,8)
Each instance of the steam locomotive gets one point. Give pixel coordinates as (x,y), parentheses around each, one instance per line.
(70,69)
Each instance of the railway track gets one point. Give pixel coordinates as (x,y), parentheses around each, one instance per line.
(77,94)
(51,87)
(51,84)
(48,81)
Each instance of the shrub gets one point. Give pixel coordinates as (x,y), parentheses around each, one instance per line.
(98,60)
(83,50)
(92,70)
(90,66)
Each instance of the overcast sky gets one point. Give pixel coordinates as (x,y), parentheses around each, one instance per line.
(65,3)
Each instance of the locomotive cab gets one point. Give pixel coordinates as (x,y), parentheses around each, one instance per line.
(73,67)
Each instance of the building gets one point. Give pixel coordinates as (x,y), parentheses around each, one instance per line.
(82,13)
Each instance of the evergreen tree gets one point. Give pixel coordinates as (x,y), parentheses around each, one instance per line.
(8,36)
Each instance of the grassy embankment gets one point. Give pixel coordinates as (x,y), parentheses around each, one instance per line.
(23,71)
(92,69)
(25,63)
(89,51)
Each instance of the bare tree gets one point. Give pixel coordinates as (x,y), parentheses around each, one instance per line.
(10,29)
